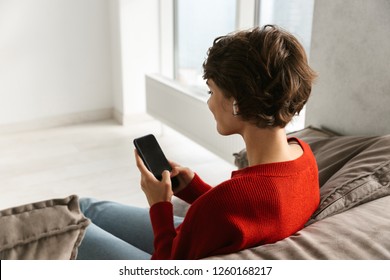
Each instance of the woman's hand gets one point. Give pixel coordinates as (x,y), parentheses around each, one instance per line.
(184,175)
(155,190)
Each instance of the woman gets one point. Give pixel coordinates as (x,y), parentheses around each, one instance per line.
(258,80)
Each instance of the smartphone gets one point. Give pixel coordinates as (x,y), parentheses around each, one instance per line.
(153,157)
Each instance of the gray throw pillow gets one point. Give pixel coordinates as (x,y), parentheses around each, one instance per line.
(47,230)
(355,170)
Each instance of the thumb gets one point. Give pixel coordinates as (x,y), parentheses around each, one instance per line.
(175,171)
(166,177)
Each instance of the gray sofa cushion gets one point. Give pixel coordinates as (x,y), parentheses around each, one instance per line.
(353,171)
(51,229)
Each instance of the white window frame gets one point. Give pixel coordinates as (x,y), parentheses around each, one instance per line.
(167,33)
(247,17)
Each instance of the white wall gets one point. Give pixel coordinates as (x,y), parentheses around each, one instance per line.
(351,53)
(55,58)
(139,29)
(116,58)
(63,60)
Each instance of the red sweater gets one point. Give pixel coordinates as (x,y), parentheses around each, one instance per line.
(258,205)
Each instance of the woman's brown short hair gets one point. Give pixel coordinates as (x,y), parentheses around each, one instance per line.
(265,70)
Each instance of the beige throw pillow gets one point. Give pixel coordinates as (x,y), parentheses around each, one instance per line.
(46,230)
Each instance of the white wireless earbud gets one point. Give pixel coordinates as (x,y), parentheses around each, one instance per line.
(235,109)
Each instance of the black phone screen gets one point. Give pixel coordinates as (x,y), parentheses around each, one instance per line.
(153,157)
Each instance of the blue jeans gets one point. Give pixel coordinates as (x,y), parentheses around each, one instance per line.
(117,231)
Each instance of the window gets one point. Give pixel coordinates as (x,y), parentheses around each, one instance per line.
(296,16)
(197,24)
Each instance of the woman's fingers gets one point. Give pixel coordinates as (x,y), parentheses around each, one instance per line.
(140,164)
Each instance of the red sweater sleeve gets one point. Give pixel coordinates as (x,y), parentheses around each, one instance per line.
(195,189)
(161,216)
(199,235)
